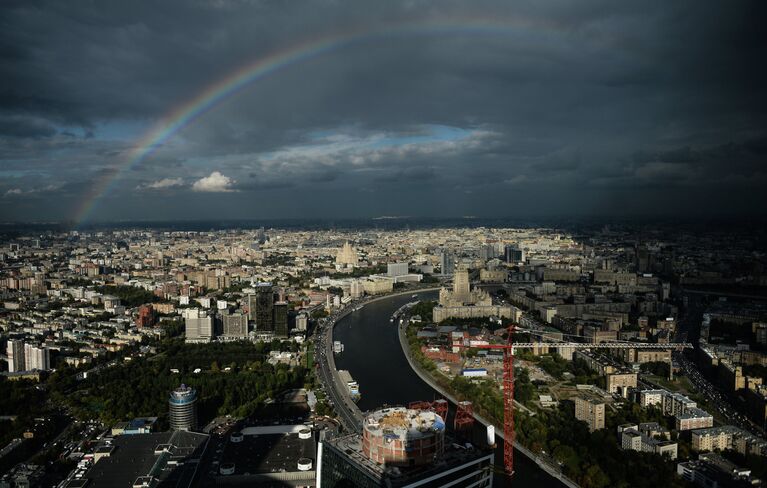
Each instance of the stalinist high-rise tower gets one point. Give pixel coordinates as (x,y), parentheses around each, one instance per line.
(462,294)
(461,285)
(347,256)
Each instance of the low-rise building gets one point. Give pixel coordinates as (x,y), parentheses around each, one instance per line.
(728,437)
(647,437)
(694,418)
(648,398)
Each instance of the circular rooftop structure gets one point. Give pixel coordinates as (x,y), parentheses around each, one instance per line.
(183,395)
(305,434)
(401,436)
(183,408)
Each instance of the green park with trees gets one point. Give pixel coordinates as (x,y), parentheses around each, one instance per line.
(234,378)
(591,459)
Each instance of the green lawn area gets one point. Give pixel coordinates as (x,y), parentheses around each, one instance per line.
(310,356)
(681,383)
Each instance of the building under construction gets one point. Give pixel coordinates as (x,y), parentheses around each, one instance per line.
(402,447)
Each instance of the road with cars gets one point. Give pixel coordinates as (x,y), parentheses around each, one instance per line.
(338,394)
(688,329)
(347,410)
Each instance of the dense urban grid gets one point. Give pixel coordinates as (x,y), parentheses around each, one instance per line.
(204,358)
(383,244)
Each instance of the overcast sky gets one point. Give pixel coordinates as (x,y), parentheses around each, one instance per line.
(445,109)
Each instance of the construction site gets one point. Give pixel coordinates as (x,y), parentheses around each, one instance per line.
(481,355)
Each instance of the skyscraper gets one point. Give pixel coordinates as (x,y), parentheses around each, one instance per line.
(461,286)
(447,263)
(347,256)
(235,325)
(486,252)
(250,304)
(281,319)
(513,254)
(302,321)
(182,405)
(15,353)
(36,358)
(356,289)
(264,305)
(199,326)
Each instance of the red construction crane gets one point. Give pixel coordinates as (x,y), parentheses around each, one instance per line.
(508,377)
(464,415)
(508,399)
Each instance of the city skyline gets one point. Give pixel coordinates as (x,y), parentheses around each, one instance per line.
(605,354)
(410,243)
(238,110)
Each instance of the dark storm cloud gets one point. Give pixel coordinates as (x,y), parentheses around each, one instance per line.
(582,106)
(21,126)
(415,175)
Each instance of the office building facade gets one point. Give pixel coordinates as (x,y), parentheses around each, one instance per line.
(235,325)
(302,321)
(182,405)
(36,358)
(15,354)
(199,326)
(280,319)
(262,308)
(396,269)
(446,263)
(590,411)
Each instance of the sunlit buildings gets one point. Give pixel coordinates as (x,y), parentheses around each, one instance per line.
(199,326)
(15,354)
(447,263)
(590,411)
(463,302)
(347,256)
(36,358)
(396,269)
(235,325)
(647,438)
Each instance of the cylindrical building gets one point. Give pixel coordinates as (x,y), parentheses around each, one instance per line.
(183,408)
(403,437)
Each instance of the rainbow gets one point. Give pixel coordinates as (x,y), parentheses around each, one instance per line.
(235,82)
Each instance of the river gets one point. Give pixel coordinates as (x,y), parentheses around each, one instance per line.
(373,356)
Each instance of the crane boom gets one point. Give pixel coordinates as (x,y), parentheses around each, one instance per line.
(603,345)
(508,373)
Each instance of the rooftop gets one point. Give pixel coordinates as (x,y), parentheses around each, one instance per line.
(137,455)
(269,452)
(693,413)
(350,446)
(403,422)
